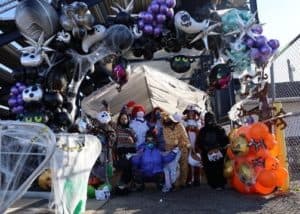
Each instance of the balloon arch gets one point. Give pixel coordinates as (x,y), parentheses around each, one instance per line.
(67,50)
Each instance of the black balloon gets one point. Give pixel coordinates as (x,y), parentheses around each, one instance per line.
(53,99)
(57,80)
(181,63)
(87,86)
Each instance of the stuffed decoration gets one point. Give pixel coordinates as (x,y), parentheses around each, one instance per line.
(181,63)
(36,16)
(220,76)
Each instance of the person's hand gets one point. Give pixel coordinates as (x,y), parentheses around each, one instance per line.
(176,150)
(131,140)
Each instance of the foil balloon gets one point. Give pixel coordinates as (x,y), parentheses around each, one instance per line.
(180,63)
(36,16)
(184,22)
(220,76)
(228,168)
(239,145)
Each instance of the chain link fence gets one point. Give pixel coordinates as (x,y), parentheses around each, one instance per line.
(285,72)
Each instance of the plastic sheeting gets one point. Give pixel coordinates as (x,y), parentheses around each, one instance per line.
(25,149)
(71,166)
(149,87)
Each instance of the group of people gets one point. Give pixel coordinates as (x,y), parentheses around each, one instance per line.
(170,150)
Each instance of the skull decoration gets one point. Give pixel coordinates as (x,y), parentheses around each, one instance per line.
(104,117)
(220,76)
(181,63)
(32,93)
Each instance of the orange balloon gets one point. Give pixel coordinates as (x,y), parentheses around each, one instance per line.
(267,178)
(263,190)
(271,163)
(275,150)
(282,176)
(240,186)
(258,131)
(270,141)
(230,153)
(244,130)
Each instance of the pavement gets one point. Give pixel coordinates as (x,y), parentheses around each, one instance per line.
(193,200)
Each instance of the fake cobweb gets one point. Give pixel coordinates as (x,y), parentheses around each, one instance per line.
(25,150)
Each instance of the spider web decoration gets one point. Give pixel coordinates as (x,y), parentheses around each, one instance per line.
(25,149)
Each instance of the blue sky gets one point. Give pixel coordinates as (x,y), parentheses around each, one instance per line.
(281,18)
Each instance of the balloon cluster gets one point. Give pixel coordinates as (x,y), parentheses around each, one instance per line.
(152,21)
(15,101)
(261,49)
(251,162)
(230,19)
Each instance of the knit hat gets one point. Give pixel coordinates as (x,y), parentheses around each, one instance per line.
(136,109)
(130,104)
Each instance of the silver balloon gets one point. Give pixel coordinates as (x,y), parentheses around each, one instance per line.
(36,16)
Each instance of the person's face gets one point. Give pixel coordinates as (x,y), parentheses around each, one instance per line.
(123,119)
(191,114)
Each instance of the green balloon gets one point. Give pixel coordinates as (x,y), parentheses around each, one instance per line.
(91,192)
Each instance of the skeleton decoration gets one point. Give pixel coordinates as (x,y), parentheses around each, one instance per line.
(35,54)
(184,22)
(36,16)
(118,39)
(76,19)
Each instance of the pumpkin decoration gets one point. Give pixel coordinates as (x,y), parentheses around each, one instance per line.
(45,180)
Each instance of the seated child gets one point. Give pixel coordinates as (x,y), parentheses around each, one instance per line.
(149,163)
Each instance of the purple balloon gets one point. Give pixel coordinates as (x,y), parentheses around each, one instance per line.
(12,101)
(19,96)
(254,53)
(18,84)
(266,50)
(161,1)
(250,42)
(142,14)
(263,60)
(257,29)
(171,3)
(19,109)
(21,88)
(170,13)
(14,90)
(14,110)
(260,41)
(148,18)
(157,31)
(148,29)
(161,18)
(154,8)
(141,24)
(20,101)
(163,9)
(274,43)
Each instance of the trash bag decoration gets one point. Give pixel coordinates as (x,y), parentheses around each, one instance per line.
(67,46)
(251,164)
